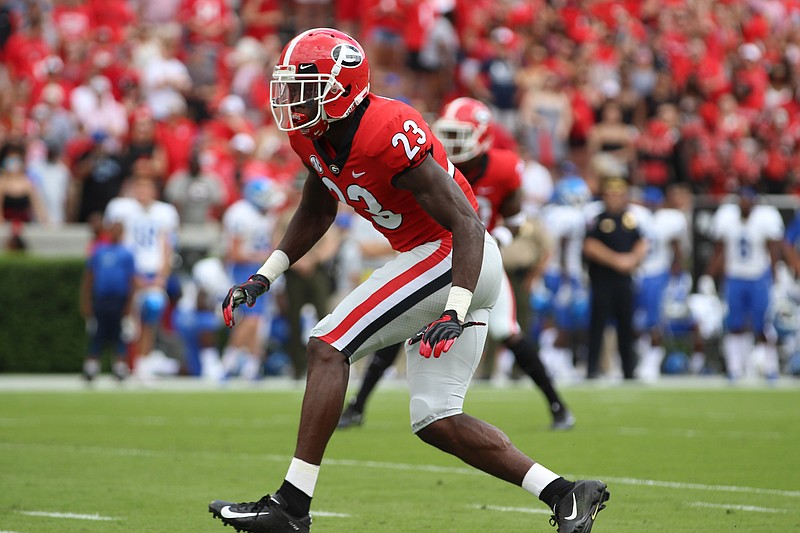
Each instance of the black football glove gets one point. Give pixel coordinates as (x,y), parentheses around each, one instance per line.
(247,293)
(438,336)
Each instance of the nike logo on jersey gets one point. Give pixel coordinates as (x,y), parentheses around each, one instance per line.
(357,175)
(574,513)
(226,512)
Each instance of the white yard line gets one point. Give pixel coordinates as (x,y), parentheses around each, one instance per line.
(76,516)
(696,486)
(503,509)
(728,507)
(704,505)
(379,465)
(328,514)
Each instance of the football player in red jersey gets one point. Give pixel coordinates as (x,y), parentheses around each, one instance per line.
(466,131)
(381,158)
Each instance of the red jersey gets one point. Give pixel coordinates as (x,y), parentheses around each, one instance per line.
(178,138)
(497,177)
(74,22)
(389,138)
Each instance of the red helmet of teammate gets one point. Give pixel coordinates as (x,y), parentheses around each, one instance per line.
(466,129)
(321,76)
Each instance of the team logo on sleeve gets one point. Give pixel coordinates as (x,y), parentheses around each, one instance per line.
(316,164)
(347,55)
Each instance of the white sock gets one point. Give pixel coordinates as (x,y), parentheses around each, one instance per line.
(769,363)
(549,356)
(303,475)
(697,362)
(230,359)
(564,358)
(547,338)
(643,344)
(537,478)
(251,369)
(653,358)
(735,345)
(210,365)
(504,363)
(91,366)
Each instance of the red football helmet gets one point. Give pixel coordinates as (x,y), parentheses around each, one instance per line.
(321,76)
(466,129)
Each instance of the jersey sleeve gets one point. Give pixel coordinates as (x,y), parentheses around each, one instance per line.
(173,225)
(772,224)
(115,211)
(719,223)
(401,141)
(677,226)
(513,181)
(231,221)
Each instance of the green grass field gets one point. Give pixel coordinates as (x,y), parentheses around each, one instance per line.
(691,458)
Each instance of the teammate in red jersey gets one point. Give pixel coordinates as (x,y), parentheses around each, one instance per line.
(466,131)
(380,157)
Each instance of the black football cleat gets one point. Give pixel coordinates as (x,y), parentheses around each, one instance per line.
(350,417)
(563,420)
(576,511)
(267,515)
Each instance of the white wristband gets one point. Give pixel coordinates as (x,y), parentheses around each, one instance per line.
(458,300)
(274,266)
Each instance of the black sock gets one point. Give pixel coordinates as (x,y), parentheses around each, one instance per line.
(556,490)
(383,359)
(298,503)
(526,354)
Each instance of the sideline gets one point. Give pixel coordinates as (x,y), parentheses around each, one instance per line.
(106,383)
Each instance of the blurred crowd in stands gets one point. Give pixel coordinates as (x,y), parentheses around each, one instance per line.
(696,91)
(700,93)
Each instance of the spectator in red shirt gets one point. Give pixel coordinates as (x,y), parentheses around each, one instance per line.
(234,162)
(74,20)
(117,17)
(27,48)
(206,21)
(49,73)
(750,82)
(229,120)
(177,135)
(261,18)
(655,151)
(143,144)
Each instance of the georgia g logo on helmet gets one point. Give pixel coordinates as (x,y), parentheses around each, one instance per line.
(347,55)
